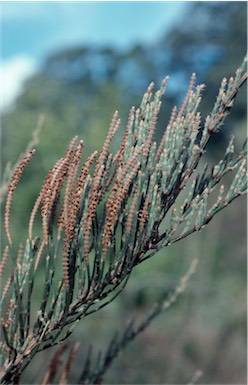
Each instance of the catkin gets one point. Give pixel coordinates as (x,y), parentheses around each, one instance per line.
(12,186)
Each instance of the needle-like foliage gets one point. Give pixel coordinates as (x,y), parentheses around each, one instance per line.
(103,216)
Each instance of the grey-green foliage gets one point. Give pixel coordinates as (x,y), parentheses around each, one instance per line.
(102,217)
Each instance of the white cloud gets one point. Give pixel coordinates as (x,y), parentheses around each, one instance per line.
(14,72)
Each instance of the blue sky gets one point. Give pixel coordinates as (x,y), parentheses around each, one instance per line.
(33,30)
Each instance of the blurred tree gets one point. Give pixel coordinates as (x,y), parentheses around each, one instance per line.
(209,40)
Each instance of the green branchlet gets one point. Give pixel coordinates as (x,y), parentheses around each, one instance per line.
(103,217)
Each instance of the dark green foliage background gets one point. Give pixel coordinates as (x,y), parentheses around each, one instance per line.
(206,328)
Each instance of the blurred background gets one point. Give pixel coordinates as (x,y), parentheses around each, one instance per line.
(78,62)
